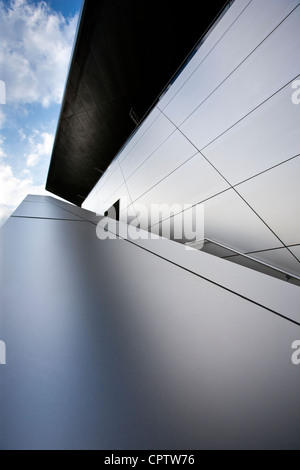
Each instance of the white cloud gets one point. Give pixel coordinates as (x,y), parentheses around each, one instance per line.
(22,135)
(13,190)
(43,148)
(2,152)
(36,44)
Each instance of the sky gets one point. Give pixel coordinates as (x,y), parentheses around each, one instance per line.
(36,41)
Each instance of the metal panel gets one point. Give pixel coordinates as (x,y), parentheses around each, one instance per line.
(238,42)
(281,258)
(193,182)
(272,66)
(296,251)
(173,153)
(101,354)
(274,195)
(230,221)
(206,47)
(267,137)
(152,139)
(47,210)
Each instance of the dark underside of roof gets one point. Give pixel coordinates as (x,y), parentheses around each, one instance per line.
(125,54)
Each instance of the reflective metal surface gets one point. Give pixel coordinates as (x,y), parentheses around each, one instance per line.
(122,344)
(239,145)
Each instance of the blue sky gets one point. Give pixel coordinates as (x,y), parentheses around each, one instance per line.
(36,40)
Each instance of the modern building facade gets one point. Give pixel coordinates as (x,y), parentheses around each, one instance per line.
(225,135)
(142,342)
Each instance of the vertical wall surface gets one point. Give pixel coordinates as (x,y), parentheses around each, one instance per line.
(122,344)
(226,134)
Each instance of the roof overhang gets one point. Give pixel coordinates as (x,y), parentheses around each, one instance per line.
(125,54)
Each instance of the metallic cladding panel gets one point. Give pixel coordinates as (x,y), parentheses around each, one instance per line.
(114,345)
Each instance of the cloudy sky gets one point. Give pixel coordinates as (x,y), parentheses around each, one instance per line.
(36,40)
